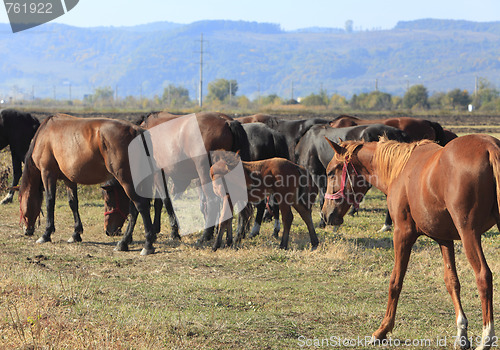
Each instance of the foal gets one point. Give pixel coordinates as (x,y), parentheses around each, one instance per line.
(291,185)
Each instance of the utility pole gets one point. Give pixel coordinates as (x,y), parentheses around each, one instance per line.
(376,84)
(200,89)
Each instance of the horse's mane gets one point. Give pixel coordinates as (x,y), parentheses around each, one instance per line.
(391,157)
(142,118)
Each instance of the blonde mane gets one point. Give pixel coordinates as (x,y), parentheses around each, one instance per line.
(390,158)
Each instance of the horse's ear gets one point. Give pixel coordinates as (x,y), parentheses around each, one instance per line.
(336,147)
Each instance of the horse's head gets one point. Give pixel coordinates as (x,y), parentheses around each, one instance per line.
(116,207)
(223,162)
(345,187)
(30,196)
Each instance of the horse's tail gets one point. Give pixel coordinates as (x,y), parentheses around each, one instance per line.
(438,130)
(495,163)
(32,177)
(240,139)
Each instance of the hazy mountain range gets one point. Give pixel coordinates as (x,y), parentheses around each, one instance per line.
(54,59)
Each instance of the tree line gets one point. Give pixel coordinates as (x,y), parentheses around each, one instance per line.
(223,93)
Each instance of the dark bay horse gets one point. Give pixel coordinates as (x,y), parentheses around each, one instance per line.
(293,130)
(16,130)
(416,129)
(290,183)
(265,143)
(314,153)
(218,131)
(446,193)
(78,151)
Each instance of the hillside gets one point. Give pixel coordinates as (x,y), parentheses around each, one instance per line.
(55,59)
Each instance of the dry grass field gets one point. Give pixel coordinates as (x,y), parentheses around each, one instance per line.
(87,296)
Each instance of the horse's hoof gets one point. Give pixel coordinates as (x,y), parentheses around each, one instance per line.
(6,200)
(75,238)
(275,234)
(145,251)
(385,228)
(462,343)
(43,240)
(314,247)
(121,247)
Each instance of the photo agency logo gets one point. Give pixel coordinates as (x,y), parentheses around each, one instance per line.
(167,158)
(25,14)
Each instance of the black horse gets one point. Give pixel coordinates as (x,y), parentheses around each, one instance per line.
(314,153)
(293,130)
(16,130)
(265,143)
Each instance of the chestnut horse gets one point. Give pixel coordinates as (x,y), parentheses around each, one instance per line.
(291,185)
(446,193)
(78,151)
(218,131)
(416,129)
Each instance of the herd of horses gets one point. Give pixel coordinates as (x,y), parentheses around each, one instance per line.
(437,185)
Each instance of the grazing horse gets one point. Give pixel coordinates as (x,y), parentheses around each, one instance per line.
(290,183)
(416,129)
(265,143)
(16,130)
(218,131)
(78,151)
(314,153)
(446,193)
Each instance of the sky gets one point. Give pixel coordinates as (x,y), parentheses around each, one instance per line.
(290,14)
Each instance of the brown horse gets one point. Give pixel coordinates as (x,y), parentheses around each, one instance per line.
(77,151)
(256,118)
(416,129)
(291,185)
(218,131)
(446,193)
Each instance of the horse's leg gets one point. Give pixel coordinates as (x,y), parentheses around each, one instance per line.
(321,195)
(287,216)
(71,189)
(261,207)
(484,280)
(17,172)
(158,206)
(388,223)
(127,236)
(277,226)
(174,225)
(404,238)
(305,214)
(224,225)
(143,206)
(49,183)
(243,221)
(453,287)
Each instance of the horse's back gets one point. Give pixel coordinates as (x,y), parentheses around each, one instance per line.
(83,150)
